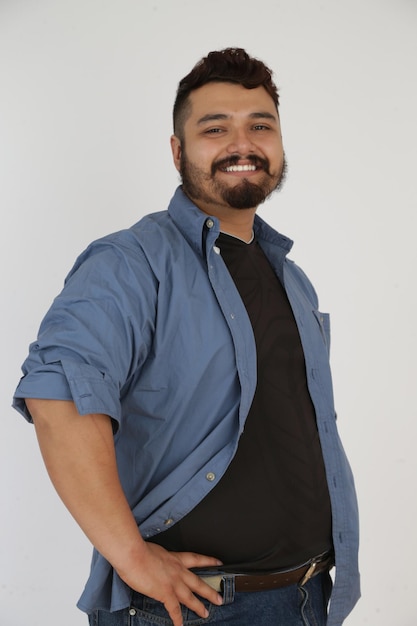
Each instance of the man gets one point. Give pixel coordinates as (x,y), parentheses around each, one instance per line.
(181,393)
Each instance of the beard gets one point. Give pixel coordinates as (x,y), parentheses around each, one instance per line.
(203,186)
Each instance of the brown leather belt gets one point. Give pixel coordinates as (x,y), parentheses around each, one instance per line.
(258,582)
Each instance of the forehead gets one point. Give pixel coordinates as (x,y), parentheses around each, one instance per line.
(229,99)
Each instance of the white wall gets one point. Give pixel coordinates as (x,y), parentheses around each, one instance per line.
(86,89)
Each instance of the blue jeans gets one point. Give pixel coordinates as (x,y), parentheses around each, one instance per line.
(288,606)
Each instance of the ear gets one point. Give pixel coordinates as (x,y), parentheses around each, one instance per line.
(176,151)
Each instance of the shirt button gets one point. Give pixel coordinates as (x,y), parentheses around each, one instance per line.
(210,476)
(168,522)
(209,223)
(132,612)
(216,249)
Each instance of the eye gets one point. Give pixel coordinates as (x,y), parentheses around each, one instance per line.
(213,131)
(261,127)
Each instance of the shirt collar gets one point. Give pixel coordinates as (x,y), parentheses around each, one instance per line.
(195,225)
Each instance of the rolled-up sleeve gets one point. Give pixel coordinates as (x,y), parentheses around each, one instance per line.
(91,390)
(96,333)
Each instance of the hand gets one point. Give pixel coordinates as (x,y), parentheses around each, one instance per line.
(166,577)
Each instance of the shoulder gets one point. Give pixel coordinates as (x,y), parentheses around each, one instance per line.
(134,249)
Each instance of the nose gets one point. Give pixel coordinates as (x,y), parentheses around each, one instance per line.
(240,142)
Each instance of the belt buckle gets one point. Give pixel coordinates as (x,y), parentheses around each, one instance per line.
(309,574)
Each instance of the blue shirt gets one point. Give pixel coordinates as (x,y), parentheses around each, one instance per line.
(150,329)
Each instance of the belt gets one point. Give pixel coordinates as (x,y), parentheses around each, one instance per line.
(258,582)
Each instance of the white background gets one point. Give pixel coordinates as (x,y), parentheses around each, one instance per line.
(86,91)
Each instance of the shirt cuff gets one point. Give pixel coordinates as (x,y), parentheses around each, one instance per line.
(92,391)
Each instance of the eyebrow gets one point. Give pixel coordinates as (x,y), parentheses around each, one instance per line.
(211,117)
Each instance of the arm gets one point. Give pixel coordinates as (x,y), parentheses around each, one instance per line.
(80,458)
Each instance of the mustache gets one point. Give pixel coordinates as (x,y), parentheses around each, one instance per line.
(234,159)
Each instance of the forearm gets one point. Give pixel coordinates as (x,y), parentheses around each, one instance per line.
(79,454)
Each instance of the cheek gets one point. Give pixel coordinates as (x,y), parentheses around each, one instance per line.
(202,160)
(276,157)
(275,147)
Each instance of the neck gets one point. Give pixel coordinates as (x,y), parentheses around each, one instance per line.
(241,230)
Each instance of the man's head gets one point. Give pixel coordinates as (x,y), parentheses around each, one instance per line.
(227,141)
(231,65)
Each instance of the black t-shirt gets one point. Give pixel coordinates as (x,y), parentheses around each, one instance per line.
(271,509)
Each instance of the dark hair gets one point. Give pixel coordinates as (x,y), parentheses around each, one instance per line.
(231,65)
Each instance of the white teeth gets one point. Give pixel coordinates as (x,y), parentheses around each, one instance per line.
(241,168)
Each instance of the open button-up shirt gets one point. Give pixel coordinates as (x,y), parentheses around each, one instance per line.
(150,330)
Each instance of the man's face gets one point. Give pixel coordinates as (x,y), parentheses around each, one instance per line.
(231,154)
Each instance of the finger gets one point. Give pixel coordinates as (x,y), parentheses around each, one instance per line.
(193,584)
(204,590)
(188,599)
(193,581)
(174,611)
(192,559)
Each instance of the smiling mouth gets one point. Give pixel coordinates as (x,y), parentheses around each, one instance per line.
(240,164)
(240,168)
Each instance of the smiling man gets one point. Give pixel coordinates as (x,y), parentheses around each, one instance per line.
(233,156)
(181,392)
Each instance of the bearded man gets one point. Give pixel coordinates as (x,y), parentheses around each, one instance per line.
(181,392)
